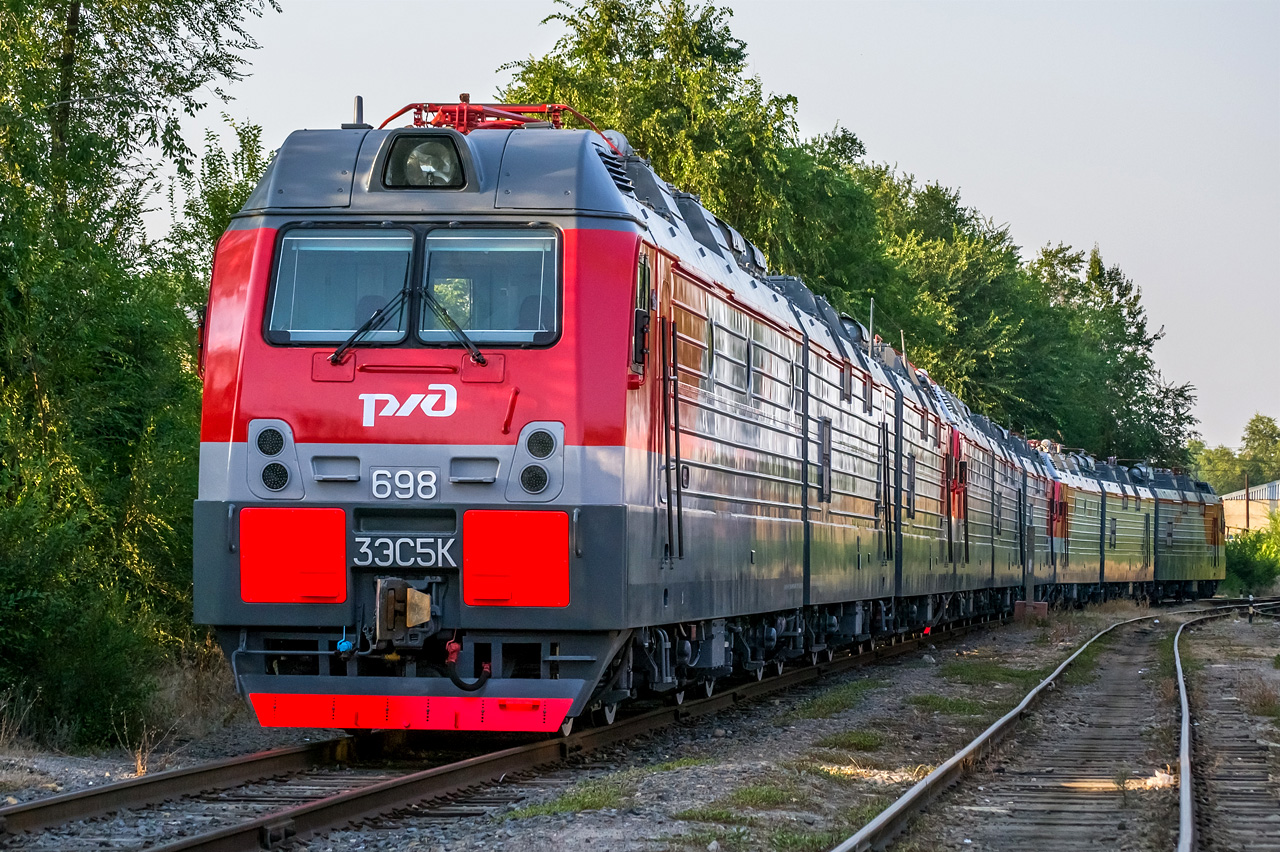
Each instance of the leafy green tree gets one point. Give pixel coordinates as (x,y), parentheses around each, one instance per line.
(211,195)
(1259,457)
(1033,345)
(98,404)
(672,77)
(825,230)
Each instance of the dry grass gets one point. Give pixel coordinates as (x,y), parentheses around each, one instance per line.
(854,740)
(1258,697)
(196,694)
(975,672)
(20,777)
(605,791)
(879,772)
(1123,608)
(835,700)
(15,710)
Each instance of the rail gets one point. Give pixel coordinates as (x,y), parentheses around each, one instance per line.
(893,819)
(84,804)
(1186,792)
(281,827)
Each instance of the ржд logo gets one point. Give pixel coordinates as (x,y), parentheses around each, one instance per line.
(441,401)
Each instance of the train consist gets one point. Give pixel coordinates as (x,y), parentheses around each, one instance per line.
(501,429)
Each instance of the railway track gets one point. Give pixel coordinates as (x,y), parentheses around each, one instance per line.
(1088,777)
(1237,785)
(265,801)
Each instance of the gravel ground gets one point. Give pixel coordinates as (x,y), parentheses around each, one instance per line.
(28,773)
(1234,674)
(797,772)
(1103,744)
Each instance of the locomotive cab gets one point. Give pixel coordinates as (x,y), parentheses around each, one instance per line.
(416,355)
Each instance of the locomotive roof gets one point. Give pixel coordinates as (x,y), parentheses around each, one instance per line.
(538,172)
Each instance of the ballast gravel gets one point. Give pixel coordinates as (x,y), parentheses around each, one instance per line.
(755,777)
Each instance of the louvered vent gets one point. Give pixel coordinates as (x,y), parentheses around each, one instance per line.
(942,399)
(617,170)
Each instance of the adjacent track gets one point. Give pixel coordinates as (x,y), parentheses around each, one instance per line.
(1070,793)
(1232,803)
(150,789)
(289,795)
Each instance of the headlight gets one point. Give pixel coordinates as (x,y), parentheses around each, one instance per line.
(432,163)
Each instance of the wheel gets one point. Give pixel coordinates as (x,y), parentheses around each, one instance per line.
(708,687)
(759,673)
(605,715)
(828,654)
(813,657)
(566,727)
(677,697)
(777,666)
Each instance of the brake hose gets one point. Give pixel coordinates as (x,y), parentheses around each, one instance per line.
(451,669)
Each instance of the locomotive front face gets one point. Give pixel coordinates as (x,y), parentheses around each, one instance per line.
(411,460)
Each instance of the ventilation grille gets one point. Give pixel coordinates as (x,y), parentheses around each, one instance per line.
(942,400)
(617,170)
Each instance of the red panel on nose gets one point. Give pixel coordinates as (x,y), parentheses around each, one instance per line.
(414,712)
(293,555)
(515,558)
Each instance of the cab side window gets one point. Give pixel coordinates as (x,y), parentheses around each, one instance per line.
(640,321)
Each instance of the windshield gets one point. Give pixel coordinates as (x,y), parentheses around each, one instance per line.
(329,282)
(498,286)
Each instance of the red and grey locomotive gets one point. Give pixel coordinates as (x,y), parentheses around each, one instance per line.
(500,428)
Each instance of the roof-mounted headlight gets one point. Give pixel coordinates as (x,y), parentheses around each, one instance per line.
(417,162)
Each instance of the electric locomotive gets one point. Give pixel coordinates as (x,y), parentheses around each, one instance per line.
(500,429)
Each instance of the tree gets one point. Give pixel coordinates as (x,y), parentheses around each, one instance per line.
(1058,347)
(98,404)
(671,76)
(1259,457)
(1253,560)
(210,197)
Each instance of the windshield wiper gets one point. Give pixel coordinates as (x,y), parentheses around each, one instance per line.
(373,323)
(447,321)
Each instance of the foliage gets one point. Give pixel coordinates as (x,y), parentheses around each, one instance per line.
(1259,457)
(671,76)
(1056,347)
(1253,560)
(211,195)
(99,406)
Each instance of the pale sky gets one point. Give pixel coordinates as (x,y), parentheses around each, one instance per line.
(1149,128)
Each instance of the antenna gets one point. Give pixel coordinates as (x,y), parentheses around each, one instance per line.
(357,116)
(871,327)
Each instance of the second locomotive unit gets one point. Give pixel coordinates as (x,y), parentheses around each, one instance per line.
(500,429)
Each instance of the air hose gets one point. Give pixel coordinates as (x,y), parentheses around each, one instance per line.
(451,669)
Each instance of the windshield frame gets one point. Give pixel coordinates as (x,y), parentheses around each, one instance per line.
(414,306)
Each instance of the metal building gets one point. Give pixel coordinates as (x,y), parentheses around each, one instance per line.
(1253,513)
